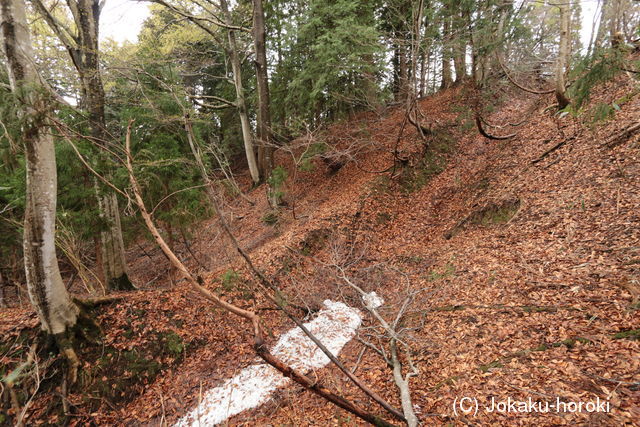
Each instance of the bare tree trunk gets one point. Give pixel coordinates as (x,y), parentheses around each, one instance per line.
(47,292)
(602,26)
(265,149)
(112,245)
(501,50)
(3,304)
(424,61)
(446,54)
(240,99)
(563,56)
(114,266)
(615,22)
(84,50)
(459,63)
(403,73)
(460,52)
(416,32)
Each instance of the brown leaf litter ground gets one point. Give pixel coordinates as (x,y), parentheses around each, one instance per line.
(528,272)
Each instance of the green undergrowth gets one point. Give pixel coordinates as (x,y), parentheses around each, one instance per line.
(490,215)
(315,241)
(632,334)
(589,72)
(271,217)
(434,161)
(496,213)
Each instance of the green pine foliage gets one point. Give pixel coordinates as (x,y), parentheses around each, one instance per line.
(331,56)
(591,70)
(162,158)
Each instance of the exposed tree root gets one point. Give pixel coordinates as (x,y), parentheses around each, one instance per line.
(552,149)
(92,302)
(421,129)
(621,137)
(520,123)
(489,136)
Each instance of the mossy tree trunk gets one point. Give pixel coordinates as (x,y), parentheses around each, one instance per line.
(265,148)
(57,313)
(83,47)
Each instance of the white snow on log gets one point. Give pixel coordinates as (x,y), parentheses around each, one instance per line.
(372,300)
(335,325)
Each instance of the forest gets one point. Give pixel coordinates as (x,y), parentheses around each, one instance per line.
(322,212)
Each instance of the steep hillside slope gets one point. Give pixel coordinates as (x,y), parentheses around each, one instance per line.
(521,256)
(525,255)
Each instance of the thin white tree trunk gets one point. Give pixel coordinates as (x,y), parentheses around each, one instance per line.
(47,292)
(563,55)
(247,135)
(84,50)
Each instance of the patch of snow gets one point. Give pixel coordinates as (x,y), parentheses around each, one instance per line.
(335,325)
(372,300)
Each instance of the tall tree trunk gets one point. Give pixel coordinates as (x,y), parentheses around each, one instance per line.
(114,267)
(615,22)
(47,292)
(563,56)
(370,86)
(240,99)
(605,15)
(112,245)
(425,53)
(403,73)
(416,32)
(460,51)
(501,50)
(84,51)
(395,61)
(459,62)
(446,53)
(265,149)
(3,304)
(424,61)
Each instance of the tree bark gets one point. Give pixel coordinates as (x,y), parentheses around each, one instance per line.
(265,149)
(84,50)
(459,63)
(114,265)
(563,56)
(602,26)
(57,313)
(240,99)
(446,53)
(3,304)
(416,31)
(460,52)
(424,61)
(615,21)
